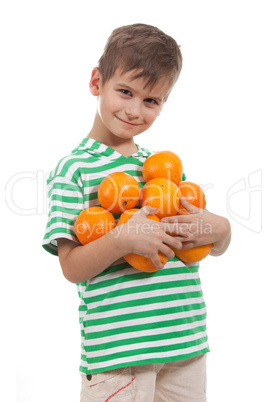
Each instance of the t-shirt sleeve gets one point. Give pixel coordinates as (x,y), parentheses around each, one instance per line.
(65,201)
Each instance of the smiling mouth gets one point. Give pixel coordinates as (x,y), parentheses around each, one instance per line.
(127,122)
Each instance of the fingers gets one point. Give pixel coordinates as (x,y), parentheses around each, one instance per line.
(147,210)
(167,251)
(183,212)
(174,241)
(172,219)
(189,207)
(188,244)
(164,249)
(175,228)
(186,218)
(156,261)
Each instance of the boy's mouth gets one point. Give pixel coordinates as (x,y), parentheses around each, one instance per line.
(127,122)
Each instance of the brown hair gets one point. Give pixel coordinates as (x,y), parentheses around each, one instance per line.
(143,48)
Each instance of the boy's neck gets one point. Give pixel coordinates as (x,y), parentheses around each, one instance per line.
(125,147)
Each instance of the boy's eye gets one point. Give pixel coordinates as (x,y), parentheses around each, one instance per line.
(151,101)
(125,92)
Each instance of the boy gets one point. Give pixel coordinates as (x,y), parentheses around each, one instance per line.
(143,335)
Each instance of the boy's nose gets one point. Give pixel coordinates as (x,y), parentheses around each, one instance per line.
(132,110)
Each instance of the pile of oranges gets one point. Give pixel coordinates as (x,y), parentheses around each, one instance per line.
(119,193)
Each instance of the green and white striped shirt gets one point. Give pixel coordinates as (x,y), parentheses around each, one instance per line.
(127,317)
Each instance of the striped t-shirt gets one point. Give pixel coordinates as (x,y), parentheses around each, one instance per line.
(127,317)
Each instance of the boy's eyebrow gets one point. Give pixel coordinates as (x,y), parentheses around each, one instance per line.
(123,85)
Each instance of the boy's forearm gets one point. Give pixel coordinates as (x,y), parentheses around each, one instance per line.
(84,262)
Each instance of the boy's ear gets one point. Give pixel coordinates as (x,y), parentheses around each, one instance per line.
(95,82)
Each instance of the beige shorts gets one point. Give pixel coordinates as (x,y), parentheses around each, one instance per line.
(181,381)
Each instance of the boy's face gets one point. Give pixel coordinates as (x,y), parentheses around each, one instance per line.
(125,107)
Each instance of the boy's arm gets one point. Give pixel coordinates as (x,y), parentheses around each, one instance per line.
(139,235)
(80,263)
(224,237)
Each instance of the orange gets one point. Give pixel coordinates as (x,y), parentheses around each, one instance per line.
(93,223)
(194,254)
(137,261)
(193,193)
(118,191)
(165,164)
(162,194)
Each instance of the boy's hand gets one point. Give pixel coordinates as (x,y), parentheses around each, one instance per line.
(203,227)
(147,237)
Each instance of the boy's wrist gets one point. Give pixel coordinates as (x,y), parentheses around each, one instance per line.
(120,239)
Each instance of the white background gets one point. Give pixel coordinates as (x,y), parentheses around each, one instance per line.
(215,120)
